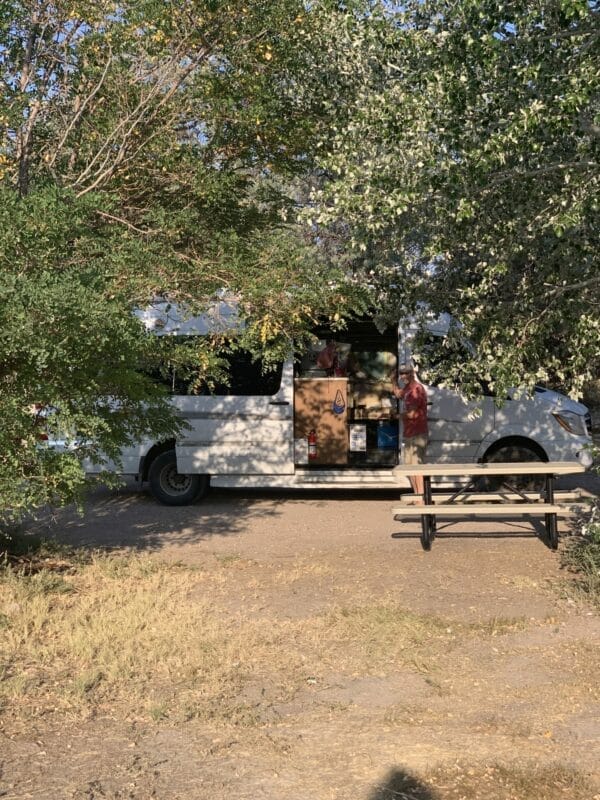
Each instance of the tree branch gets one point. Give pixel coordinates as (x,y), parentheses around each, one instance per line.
(80,111)
(173,76)
(571,287)
(131,226)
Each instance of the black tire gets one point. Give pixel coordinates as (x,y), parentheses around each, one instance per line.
(169,487)
(514,452)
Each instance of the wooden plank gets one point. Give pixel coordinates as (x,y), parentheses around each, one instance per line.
(499,497)
(491,468)
(488,509)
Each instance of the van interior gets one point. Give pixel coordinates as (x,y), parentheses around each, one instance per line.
(347,405)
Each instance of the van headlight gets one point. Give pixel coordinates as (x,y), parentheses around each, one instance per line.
(585,458)
(571,422)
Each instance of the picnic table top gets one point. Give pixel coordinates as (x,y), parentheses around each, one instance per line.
(491,468)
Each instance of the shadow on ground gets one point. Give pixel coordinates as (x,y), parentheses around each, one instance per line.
(132,518)
(401,785)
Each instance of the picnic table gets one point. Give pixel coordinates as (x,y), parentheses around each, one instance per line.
(464,502)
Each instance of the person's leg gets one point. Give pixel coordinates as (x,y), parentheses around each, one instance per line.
(411,457)
(414,453)
(419,446)
(417,484)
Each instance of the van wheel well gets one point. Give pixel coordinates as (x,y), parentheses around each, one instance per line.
(155,450)
(516,446)
(514,449)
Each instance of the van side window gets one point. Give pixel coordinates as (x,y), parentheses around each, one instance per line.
(172,380)
(245,377)
(175,365)
(249,377)
(232,372)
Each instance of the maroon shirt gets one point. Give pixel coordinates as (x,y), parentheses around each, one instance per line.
(415,399)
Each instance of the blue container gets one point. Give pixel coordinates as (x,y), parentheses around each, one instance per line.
(387,436)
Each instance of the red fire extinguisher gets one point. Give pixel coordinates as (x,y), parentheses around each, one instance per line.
(312,445)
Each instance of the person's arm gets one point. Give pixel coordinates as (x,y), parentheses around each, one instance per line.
(396,390)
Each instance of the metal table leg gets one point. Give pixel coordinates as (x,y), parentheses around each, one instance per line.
(428,525)
(551,520)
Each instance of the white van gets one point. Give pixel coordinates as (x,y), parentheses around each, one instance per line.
(299,427)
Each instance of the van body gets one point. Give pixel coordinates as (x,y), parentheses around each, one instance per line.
(300,427)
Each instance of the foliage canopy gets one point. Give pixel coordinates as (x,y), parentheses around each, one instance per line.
(146,149)
(467,174)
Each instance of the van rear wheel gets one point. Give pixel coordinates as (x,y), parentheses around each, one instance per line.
(172,488)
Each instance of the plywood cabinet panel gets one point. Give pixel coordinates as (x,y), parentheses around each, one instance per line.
(322,404)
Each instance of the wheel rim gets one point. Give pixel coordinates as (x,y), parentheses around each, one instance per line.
(516,453)
(173,483)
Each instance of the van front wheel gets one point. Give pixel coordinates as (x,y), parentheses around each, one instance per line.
(515,451)
(170,487)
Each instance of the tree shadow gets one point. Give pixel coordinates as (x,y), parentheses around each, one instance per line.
(131,518)
(402,785)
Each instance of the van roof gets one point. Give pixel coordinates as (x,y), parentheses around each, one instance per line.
(170,319)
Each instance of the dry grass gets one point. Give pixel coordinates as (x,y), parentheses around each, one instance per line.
(118,630)
(130,638)
(508,782)
(301,570)
(140,638)
(582,558)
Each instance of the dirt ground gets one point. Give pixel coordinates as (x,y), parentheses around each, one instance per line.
(523,697)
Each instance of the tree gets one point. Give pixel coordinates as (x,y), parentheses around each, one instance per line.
(468,177)
(147,148)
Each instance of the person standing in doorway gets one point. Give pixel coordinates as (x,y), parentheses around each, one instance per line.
(414,420)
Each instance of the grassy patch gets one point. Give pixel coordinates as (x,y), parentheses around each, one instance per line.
(117,630)
(228,559)
(367,637)
(129,635)
(582,558)
(506,782)
(300,571)
(498,626)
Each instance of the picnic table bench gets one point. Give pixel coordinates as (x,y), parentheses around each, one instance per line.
(511,502)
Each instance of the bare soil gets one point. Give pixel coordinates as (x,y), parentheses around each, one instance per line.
(511,714)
